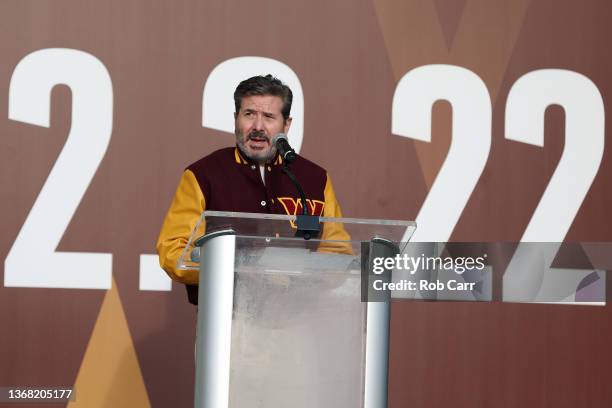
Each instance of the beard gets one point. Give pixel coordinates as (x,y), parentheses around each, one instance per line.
(259,156)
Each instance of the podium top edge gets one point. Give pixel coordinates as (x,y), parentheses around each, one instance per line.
(280,217)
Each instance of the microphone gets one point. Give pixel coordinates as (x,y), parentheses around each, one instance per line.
(284,149)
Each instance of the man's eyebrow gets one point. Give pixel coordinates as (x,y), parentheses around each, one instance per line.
(251,110)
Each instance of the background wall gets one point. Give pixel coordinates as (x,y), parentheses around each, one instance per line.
(135,73)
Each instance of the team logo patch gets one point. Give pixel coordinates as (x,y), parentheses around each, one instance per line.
(294,206)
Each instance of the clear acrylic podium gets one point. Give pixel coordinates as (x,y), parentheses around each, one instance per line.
(280,318)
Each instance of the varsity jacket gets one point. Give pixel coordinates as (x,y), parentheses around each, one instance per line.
(227,181)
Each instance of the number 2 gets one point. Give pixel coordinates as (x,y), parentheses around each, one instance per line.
(33,260)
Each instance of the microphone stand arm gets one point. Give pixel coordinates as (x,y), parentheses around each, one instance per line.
(308,226)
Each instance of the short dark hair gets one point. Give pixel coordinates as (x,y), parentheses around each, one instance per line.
(264,85)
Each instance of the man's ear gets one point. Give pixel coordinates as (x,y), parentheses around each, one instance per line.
(287,125)
(235,115)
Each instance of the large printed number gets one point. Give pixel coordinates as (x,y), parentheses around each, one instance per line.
(218,113)
(414,97)
(32,260)
(527,101)
(530,96)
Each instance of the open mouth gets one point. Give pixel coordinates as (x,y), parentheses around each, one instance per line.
(258,142)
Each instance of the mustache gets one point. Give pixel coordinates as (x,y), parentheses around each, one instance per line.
(257,134)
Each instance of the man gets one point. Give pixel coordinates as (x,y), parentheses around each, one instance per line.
(245,178)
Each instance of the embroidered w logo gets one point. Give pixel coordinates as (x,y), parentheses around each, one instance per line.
(294,206)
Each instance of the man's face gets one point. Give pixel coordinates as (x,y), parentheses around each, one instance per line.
(258,121)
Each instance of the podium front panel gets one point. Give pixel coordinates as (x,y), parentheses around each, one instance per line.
(281,320)
(298,327)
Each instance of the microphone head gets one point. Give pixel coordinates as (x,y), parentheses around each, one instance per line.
(278,137)
(282,144)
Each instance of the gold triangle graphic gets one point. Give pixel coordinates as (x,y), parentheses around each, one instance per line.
(110,375)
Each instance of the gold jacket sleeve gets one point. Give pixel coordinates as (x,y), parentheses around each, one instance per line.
(333,230)
(185,210)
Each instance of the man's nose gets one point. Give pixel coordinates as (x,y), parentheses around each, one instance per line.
(258,124)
